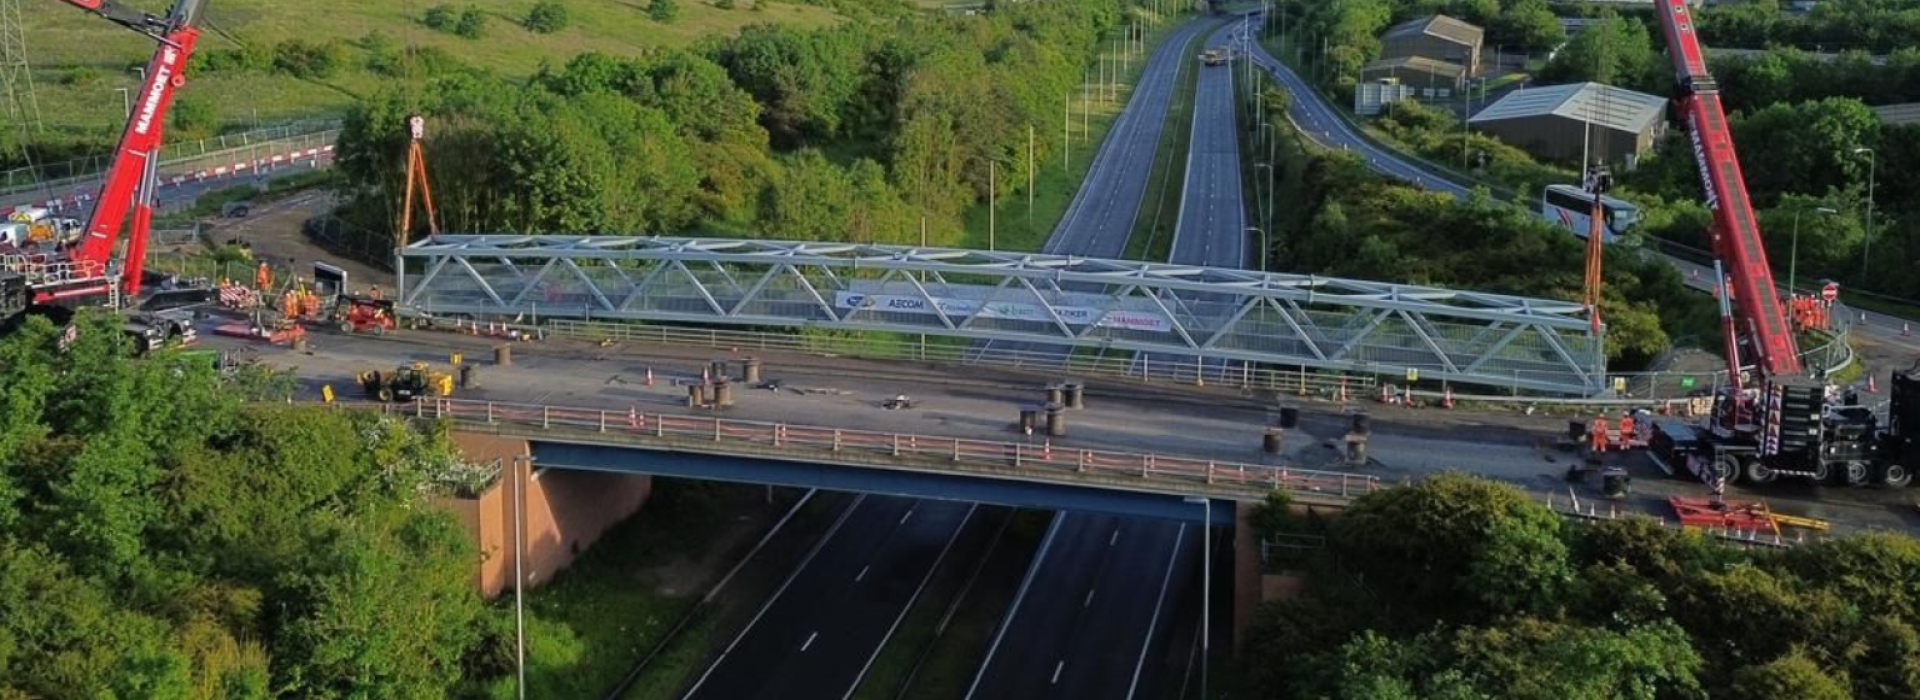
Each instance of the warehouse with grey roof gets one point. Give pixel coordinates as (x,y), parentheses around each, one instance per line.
(1552,122)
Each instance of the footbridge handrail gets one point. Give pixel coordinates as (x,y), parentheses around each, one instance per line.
(973,456)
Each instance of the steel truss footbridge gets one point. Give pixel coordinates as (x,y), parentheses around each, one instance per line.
(1270,319)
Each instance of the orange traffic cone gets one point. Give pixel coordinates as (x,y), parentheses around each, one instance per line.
(1386,394)
(1872,388)
(1046,449)
(1446,400)
(1343,389)
(1906,331)
(649,376)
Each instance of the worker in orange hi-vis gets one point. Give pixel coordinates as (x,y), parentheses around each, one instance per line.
(1597,431)
(264,278)
(1626,430)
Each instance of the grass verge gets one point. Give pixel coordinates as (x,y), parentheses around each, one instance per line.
(1152,237)
(80,61)
(1017,226)
(683,657)
(887,678)
(586,628)
(950,659)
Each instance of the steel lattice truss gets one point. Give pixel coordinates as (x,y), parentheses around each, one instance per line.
(1279,319)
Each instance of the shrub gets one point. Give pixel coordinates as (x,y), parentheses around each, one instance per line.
(473,23)
(81,77)
(441,17)
(547,18)
(663,10)
(303,59)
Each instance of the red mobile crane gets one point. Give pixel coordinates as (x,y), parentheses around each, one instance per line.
(86,268)
(1782,426)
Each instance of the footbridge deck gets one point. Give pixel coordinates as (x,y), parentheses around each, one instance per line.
(1285,320)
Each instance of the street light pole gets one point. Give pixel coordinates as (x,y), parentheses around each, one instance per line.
(1206,587)
(993,194)
(1793,257)
(1866,239)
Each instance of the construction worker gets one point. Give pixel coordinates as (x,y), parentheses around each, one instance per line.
(1626,430)
(374,293)
(1597,433)
(264,278)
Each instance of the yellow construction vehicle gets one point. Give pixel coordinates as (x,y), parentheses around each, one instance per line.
(407,383)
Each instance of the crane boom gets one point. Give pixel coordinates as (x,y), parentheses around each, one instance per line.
(1736,232)
(135,157)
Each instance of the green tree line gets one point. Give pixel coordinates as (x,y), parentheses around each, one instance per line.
(1334,216)
(161,539)
(1879,26)
(1461,588)
(864,132)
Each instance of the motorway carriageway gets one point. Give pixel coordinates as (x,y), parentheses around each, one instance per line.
(817,635)
(1101,622)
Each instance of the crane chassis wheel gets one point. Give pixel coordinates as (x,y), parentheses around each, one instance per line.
(1896,475)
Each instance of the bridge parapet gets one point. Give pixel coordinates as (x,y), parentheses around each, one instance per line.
(876,449)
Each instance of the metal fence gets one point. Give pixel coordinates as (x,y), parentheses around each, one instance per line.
(56,178)
(897,347)
(722,435)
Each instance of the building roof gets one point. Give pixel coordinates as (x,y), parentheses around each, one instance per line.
(1416,64)
(1904,113)
(1609,106)
(1441,26)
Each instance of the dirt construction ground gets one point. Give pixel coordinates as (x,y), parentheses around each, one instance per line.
(275,232)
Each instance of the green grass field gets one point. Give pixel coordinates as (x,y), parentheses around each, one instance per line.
(61,40)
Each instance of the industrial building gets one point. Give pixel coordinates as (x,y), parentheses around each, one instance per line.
(1439,37)
(1552,122)
(1430,79)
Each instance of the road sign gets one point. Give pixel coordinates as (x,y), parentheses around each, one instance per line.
(1413,374)
(1830,292)
(1619,385)
(1686,382)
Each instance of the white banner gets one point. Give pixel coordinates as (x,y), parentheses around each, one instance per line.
(960,308)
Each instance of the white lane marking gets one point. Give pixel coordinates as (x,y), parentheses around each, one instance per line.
(863,572)
(1089,601)
(915,598)
(1114,538)
(1058,666)
(1006,621)
(1155,620)
(809,642)
(764,607)
(903,518)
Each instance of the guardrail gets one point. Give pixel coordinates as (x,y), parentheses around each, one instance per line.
(909,450)
(882,347)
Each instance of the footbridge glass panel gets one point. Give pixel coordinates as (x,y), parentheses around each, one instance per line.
(1277,319)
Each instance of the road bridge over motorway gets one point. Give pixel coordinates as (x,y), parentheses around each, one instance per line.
(870,461)
(1188,311)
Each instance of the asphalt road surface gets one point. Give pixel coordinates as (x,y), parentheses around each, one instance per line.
(1092,618)
(1211,230)
(1101,216)
(816,636)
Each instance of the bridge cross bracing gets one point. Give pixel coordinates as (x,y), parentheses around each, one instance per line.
(1277,319)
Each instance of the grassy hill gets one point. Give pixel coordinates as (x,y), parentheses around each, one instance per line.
(81,61)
